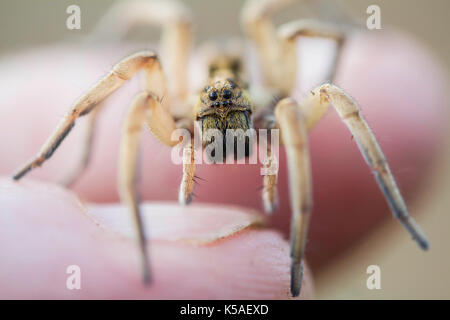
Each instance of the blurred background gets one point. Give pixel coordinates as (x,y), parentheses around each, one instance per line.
(26,24)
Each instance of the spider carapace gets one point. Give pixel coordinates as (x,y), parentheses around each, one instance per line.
(224,103)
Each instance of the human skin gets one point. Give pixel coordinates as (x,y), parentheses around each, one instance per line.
(397,83)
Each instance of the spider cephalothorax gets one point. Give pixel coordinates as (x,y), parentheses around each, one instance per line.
(225,106)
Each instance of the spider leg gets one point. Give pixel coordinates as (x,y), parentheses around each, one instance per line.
(119,74)
(144,109)
(294,135)
(188,180)
(176,43)
(288,34)
(175,20)
(71,177)
(258,26)
(270,183)
(267,121)
(350,113)
(277,49)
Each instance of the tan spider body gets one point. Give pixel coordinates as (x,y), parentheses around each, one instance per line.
(224,103)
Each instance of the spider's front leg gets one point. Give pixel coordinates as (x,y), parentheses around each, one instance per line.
(287,35)
(88,139)
(175,20)
(314,107)
(294,135)
(147,109)
(120,73)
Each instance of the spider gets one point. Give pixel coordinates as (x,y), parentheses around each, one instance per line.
(225,103)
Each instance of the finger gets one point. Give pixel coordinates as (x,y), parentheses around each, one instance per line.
(198,252)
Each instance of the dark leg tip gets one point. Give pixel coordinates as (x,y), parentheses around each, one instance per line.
(18,175)
(295,290)
(296,277)
(423,244)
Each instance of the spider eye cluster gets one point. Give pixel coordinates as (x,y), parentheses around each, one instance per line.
(219,98)
(222,93)
(226,94)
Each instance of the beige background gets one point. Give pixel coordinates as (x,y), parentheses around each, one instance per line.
(26,23)
(31,22)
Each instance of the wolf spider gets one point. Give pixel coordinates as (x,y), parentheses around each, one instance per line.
(224,103)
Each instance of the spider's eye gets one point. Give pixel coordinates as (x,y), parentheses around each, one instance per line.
(213,95)
(227,94)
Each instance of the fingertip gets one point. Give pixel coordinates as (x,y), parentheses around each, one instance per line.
(203,252)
